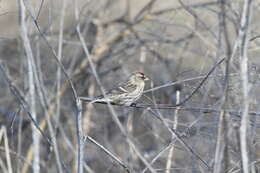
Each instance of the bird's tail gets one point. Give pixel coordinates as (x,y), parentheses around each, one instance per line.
(94,99)
(87,99)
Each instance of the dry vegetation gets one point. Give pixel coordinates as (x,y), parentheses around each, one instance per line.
(52,52)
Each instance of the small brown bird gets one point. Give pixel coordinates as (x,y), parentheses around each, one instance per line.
(126,93)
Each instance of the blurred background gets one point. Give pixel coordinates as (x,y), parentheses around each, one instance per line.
(174,42)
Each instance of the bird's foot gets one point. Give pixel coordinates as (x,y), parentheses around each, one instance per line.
(133,104)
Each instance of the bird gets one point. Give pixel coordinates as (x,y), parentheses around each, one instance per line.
(126,93)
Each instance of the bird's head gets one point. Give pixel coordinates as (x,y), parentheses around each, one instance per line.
(138,77)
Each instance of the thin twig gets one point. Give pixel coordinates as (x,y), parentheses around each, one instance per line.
(159,154)
(3,133)
(201,83)
(54,54)
(107,152)
(192,12)
(179,138)
(32,90)
(243,40)
(79,133)
(175,125)
(23,103)
(221,153)
(170,106)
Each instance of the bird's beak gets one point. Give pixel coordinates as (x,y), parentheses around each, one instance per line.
(146,78)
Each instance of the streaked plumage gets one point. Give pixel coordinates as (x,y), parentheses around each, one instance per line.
(126,93)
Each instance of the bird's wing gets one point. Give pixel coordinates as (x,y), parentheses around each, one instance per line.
(114,91)
(118,90)
(128,87)
(123,88)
